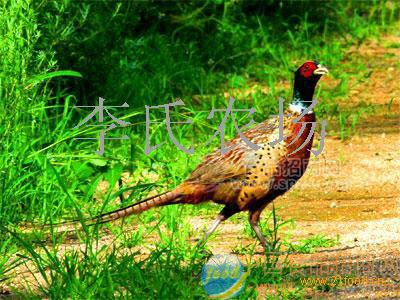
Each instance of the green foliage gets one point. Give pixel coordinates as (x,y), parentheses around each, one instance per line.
(149,51)
(105,272)
(309,245)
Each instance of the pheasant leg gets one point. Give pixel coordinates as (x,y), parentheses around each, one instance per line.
(254,217)
(217,221)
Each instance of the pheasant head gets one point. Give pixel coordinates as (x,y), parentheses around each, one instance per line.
(305,80)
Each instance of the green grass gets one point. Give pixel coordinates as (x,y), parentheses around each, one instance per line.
(188,51)
(309,245)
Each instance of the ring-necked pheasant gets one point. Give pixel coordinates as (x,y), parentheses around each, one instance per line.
(245,179)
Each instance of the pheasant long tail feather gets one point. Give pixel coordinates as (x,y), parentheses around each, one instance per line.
(161,199)
(158,200)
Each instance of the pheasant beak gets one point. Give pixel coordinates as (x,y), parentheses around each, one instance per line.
(320,70)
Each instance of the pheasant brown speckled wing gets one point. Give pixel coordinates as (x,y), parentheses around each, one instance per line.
(234,165)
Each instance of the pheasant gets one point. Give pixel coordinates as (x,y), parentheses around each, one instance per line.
(245,179)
